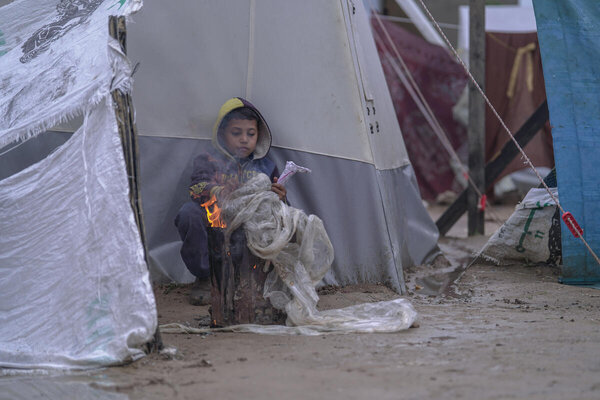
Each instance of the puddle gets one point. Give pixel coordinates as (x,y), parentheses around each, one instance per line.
(441,276)
(441,283)
(55,387)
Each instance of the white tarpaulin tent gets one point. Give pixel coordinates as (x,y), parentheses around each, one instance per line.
(74,285)
(312,69)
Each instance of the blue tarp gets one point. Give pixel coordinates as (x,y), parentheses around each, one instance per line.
(569,37)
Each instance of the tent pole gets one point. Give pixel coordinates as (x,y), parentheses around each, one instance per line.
(476,130)
(124,113)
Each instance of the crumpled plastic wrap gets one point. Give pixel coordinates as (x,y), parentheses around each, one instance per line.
(298,247)
(290,170)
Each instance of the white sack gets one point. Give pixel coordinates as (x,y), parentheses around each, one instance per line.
(74,286)
(524,236)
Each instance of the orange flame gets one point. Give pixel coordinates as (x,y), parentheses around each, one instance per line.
(213,213)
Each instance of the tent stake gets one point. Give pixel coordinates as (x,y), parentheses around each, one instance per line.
(129,138)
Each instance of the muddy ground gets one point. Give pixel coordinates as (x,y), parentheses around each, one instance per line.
(503,333)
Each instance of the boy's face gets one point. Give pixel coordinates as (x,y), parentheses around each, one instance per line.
(240,137)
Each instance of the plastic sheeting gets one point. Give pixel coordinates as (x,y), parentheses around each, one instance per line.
(55,58)
(570,44)
(74,286)
(298,247)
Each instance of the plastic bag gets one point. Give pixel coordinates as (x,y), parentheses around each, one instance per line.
(300,250)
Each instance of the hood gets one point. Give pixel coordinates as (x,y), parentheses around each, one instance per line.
(264,134)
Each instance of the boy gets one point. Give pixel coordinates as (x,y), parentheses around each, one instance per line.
(241,141)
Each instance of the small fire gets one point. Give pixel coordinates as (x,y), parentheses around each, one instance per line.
(213,213)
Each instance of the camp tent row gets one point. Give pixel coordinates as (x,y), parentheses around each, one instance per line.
(312,69)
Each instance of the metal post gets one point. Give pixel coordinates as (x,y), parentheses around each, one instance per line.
(476,131)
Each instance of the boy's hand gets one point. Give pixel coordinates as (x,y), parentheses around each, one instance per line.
(279,189)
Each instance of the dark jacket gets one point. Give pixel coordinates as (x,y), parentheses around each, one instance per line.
(218,172)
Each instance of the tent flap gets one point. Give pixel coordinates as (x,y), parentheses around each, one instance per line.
(74,286)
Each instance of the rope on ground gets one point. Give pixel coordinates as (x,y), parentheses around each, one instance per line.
(180,328)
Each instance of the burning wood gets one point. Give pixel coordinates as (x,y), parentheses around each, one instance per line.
(213,213)
(238,279)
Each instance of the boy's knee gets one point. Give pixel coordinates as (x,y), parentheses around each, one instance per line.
(190,222)
(188,213)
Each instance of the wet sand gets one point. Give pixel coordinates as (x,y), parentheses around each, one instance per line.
(503,333)
(507,332)
(513,333)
